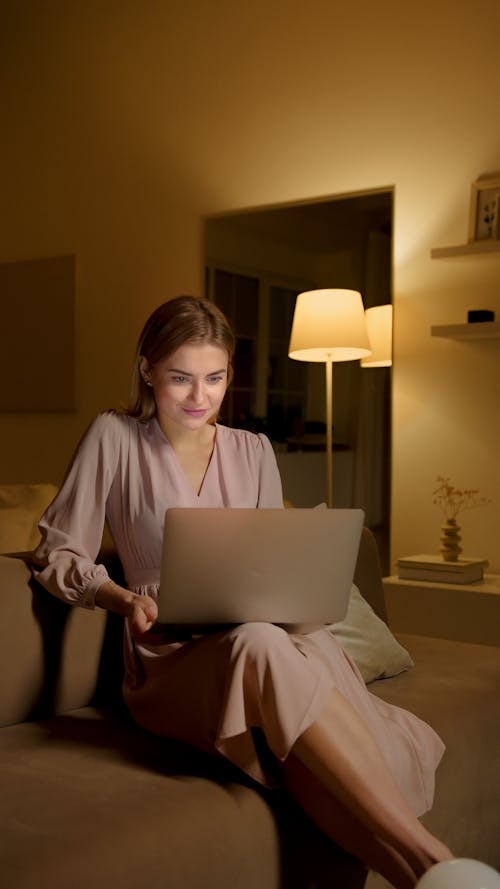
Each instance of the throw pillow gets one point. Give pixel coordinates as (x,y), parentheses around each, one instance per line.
(369,641)
(21,507)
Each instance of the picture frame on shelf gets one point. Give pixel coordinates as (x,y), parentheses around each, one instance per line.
(484,210)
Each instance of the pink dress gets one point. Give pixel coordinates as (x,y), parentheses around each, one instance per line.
(212,691)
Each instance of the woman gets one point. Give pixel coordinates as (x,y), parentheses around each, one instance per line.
(331,741)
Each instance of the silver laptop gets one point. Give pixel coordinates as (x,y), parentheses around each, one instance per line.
(287,566)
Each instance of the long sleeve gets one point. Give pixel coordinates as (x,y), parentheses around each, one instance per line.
(72,526)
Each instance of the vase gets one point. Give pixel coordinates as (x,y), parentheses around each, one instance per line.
(450,541)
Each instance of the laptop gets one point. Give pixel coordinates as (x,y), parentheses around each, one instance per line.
(286,566)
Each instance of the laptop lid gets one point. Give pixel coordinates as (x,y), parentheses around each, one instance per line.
(275,565)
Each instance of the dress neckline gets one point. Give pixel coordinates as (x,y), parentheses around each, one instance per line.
(198,494)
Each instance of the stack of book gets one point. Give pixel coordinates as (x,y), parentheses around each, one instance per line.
(436,570)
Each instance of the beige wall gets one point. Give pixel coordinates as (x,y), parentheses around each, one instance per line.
(125,127)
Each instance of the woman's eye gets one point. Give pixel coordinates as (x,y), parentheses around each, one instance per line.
(214,380)
(179,379)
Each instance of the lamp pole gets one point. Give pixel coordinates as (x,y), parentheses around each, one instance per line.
(329,430)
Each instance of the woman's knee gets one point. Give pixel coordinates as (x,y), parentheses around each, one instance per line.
(258,637)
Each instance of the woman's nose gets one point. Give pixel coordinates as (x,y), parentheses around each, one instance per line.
(197,394)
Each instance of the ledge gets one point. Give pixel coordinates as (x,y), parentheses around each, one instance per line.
(474,247)
(482,330)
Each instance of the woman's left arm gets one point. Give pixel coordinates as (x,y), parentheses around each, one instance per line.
(270,489)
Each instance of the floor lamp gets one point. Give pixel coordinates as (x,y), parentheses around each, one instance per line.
(329,325)
(379,324)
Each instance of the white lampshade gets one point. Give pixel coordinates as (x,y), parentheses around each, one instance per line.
(460,873)
(329,324)
(379,324)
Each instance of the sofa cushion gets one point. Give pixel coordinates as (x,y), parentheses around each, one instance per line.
(21,507)
(93,801)
(454,688)
(368,640)
(90,816)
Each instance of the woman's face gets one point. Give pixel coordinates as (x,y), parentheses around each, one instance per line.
(189,385)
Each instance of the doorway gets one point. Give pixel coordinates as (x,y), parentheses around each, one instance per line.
(256,262)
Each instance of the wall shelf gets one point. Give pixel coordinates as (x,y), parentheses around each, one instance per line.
(474,247)
(478,331)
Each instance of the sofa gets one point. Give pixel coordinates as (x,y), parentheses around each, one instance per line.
(91,801)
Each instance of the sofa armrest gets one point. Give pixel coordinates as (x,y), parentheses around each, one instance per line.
(51,653)
(368,574)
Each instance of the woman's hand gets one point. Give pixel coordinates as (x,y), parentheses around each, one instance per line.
(141,614)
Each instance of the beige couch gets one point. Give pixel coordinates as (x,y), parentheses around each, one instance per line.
(90,801)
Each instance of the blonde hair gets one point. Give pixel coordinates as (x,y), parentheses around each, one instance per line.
(185,319)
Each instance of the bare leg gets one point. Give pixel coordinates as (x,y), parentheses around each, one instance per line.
(342,754)
(347,831)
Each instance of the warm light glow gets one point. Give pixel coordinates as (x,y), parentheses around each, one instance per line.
(379,324)
(329,324)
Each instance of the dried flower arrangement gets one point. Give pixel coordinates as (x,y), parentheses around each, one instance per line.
(453,501)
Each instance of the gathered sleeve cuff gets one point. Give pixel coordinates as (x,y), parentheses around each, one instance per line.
(69,575)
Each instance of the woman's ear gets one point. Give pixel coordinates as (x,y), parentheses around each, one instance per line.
(143,365)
